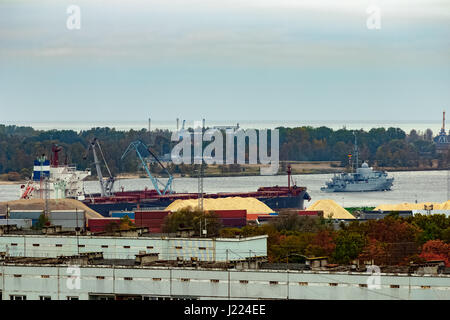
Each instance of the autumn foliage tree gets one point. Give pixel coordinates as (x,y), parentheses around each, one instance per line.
(392,230)
(391,241)
(436,250)
(323,244)
(375,252)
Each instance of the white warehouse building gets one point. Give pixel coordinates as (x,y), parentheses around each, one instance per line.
(204,249)
(54,282)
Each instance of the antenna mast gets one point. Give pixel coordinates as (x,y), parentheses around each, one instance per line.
(200,178)
(356,152)
(443,121)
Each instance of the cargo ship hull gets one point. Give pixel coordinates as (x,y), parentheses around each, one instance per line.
(274,197)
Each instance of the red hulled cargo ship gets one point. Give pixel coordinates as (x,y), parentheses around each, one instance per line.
(276,197)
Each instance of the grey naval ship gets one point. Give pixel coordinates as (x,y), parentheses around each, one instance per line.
(364,179)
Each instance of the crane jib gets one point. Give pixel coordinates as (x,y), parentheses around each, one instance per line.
(135,145)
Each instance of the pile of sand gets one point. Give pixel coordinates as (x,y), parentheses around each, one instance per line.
(445,205)
(252,205)
(59,204)
(413,206)
(330,209)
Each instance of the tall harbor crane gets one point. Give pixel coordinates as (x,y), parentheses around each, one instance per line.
(106,186)
(166,187)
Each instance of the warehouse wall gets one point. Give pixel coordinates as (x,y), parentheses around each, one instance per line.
(38,280)
(126,248)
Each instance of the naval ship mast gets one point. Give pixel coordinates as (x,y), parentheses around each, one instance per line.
(355,151)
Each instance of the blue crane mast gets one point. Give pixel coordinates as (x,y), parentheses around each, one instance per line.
(167,187)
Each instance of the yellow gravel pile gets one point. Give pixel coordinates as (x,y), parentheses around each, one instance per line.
(252,205)
(445,205)
(330,209)
(413,206)
(59,204)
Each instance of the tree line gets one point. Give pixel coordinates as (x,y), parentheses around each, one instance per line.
(389,241)
(392,147)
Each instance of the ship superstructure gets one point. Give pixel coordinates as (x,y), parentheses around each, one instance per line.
(52,180)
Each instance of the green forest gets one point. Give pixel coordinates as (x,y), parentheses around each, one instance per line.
(392,147)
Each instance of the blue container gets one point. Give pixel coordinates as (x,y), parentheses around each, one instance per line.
(273,214)
(121,214)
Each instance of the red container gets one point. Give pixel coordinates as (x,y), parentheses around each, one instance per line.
(101,221)
(231,220)
(147,222)
(150,214)
(152,219)
(231,213)
(99,224)
(234,223)
(152,225)
(149,219)
(308,213)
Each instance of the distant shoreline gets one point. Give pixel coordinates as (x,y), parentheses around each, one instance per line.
(119,125)
(6,183)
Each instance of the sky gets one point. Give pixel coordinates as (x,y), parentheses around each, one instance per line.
(224,60)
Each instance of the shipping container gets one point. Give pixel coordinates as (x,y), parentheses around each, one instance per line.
(254,216)
(234,221)
(150,214)
(231,213)
(99,224)
(150,219)
(68,219)
(147,221)
(25,214)
(20,223)
(309,213)
(239,224)
(101,221)
(121,214)
(149,224)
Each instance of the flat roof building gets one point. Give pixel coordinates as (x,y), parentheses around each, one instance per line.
(64,281)
(168,248)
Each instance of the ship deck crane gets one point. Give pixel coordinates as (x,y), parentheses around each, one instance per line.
(167,187)
(106,186)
